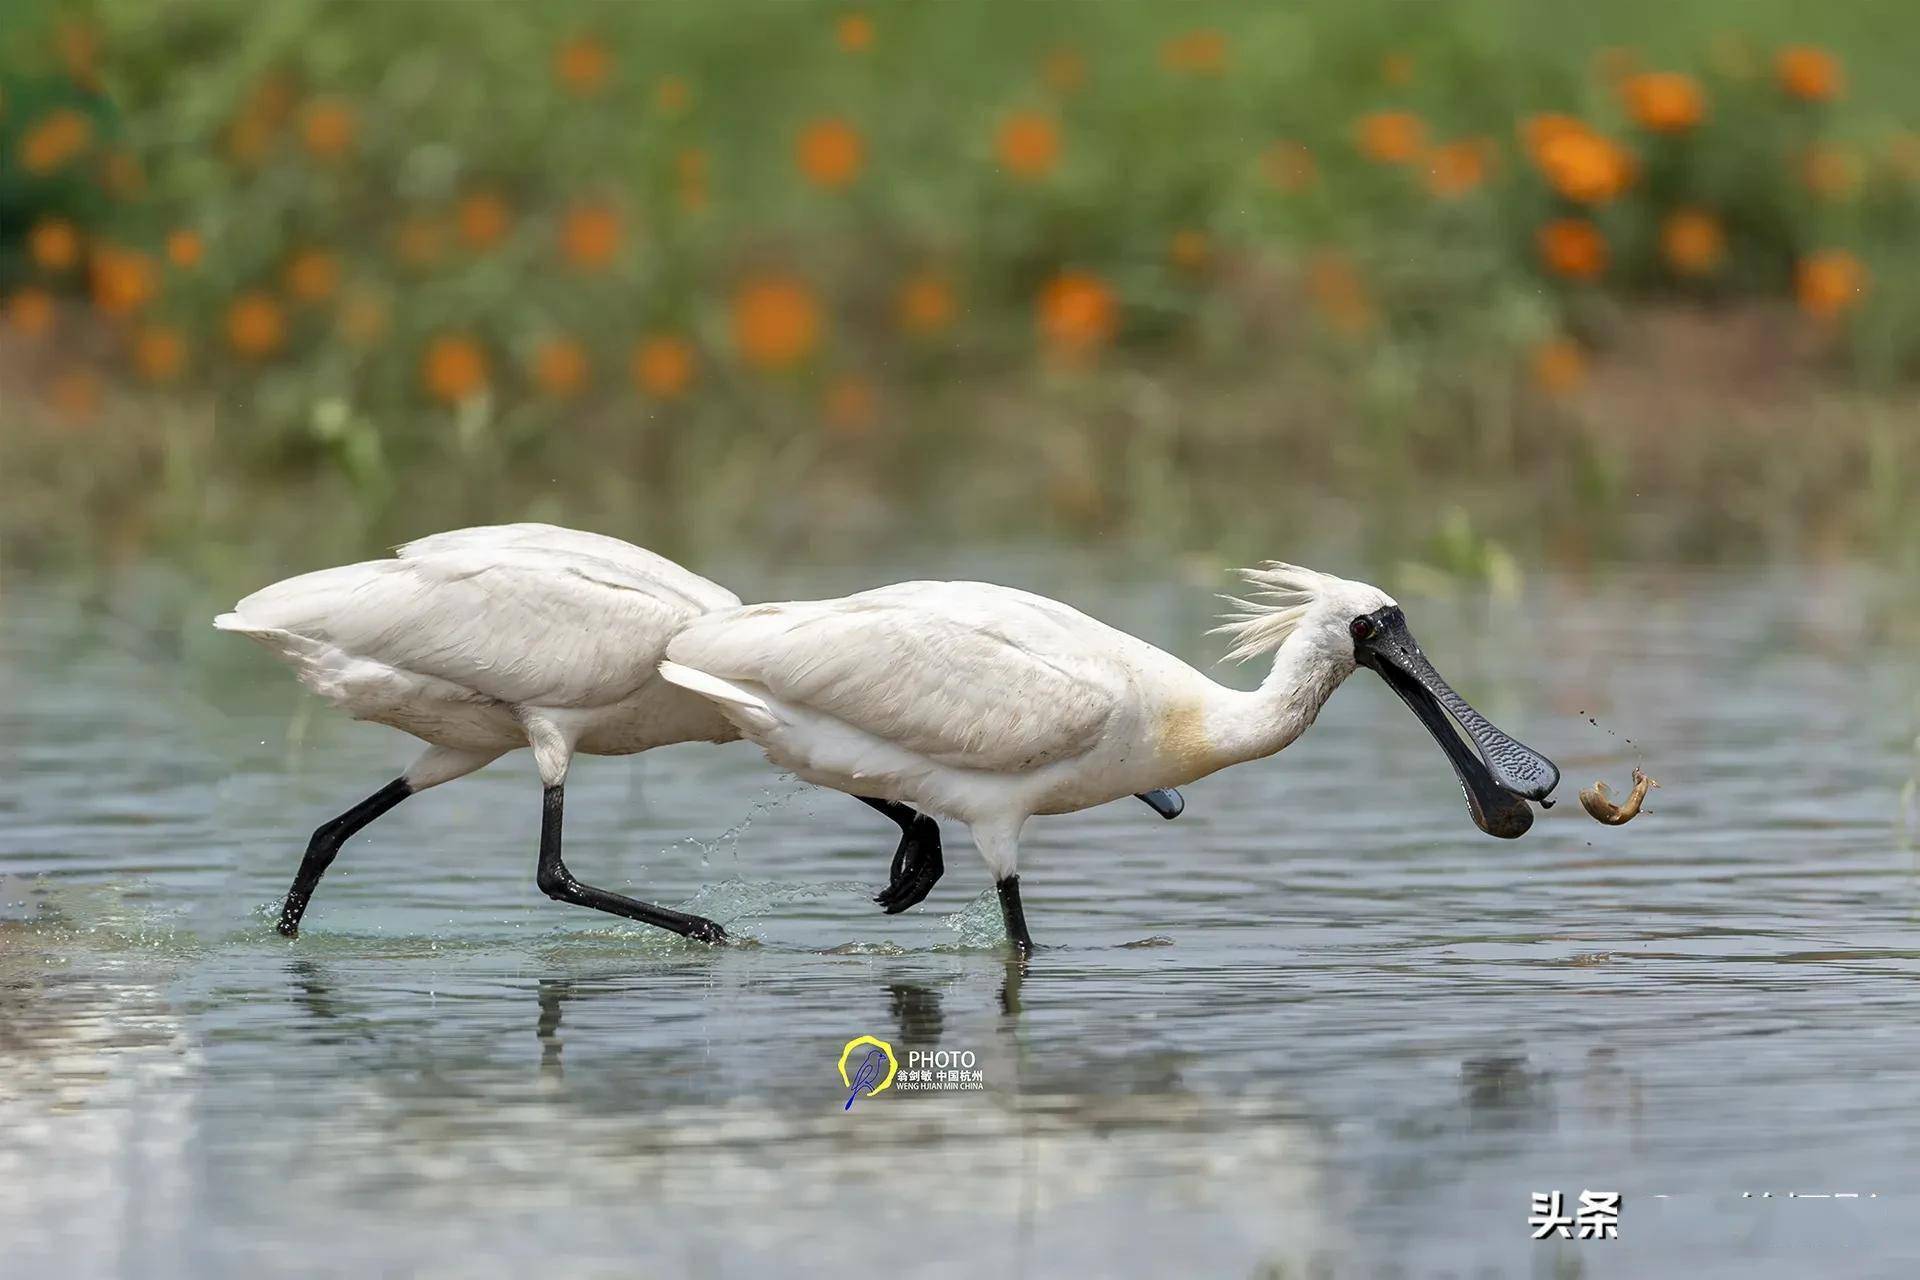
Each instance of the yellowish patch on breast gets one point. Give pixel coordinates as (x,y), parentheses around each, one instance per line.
(1180,736)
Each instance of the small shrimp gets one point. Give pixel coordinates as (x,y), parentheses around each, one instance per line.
(1596,800)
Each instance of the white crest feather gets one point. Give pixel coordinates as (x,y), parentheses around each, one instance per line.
(1281,596)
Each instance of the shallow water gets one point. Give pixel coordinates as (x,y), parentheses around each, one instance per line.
(1317,1026)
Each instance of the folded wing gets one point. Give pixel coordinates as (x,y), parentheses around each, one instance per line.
(522,614)
(967,674)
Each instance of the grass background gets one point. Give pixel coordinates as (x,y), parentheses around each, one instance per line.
(1236,360)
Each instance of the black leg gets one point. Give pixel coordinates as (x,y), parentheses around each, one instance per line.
(326,842)
(917,864)
(558,883)
(1015,916)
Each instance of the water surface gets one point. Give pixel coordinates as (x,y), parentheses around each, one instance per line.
(1318,1026)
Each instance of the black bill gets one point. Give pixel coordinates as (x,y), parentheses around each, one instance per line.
(1166,802)
(1499,774)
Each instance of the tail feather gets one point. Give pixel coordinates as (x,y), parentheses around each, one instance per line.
(743,707)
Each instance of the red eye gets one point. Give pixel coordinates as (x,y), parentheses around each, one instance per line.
(1362,628)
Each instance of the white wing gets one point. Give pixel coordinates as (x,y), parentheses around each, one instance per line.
(637,562)
(964,673)
(522,614)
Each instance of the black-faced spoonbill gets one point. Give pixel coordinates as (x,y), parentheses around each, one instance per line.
(989,705)
(482,641)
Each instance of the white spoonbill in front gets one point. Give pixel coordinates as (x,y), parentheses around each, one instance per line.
(989,705)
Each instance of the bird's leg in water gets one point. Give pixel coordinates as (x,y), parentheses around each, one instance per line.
(1015,916)
(559,884)
(917,864)
(326,842)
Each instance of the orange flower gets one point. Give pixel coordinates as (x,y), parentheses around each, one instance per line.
(776,322)
(55,139)
(1391,137)
(484,220)
(1830,172)
(1692,242)
(272,99)
(247,140)
(1830,283)
(690,166)
(1664,101)
(1028,144)
(363,318)
(590,236)
(1580,164)
(1064,71)
(1573,248)
(1199,53)
(74,394)
(854,31)
(1289,166)
(1189,249)
(159,353)
(829,153)
(560,367)
(1540,132)
(664,367)
(419,241)
(673,95)
(256,328)
(1809,74)
(849,406)
(1457,168)
(30,311)
(79,46)
(1396,69)
(1339,293)
(53,244)
(312,275)
(581,65)
(185,249)
(1616,62)
(1559,366)
(123,280)
(925,304)
(327,127)
(1078,313)
(453,369)
(122,176)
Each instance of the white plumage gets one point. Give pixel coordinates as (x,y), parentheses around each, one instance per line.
(481,641)
(990,705)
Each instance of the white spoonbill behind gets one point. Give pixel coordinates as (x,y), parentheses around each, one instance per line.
(481,641)
(989,705)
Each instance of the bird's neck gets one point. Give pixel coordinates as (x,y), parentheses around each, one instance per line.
(1248,726)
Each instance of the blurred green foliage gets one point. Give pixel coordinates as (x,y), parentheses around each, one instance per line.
(733,247)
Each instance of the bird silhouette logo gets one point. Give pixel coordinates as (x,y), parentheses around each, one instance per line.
(875,1071)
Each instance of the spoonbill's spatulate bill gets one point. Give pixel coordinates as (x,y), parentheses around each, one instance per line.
(482,641)
(989,705)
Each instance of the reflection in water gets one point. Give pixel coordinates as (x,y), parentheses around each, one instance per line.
(1504,1092)
(1362,1035)
(916,1013)
(554,992)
